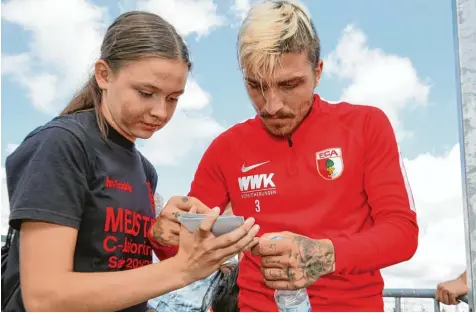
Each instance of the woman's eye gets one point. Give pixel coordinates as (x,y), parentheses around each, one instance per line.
(145,94)
(173,100)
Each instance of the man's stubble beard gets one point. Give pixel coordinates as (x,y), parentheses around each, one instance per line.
(288,131)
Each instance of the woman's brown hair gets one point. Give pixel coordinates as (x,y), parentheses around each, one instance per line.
(132,36)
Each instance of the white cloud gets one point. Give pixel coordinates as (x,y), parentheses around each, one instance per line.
(391,83)
(190,125)
(65,39)
(10,148)
(188,16)
(173,143)
(376,78)
(15,63)
(194,97)
(437,191)
(240,8)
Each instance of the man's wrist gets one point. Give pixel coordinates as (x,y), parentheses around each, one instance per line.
(327,249)
(314,256)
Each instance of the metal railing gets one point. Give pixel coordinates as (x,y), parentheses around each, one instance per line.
(398,294)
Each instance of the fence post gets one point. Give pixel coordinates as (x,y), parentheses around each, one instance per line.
(464,23)
(398,304)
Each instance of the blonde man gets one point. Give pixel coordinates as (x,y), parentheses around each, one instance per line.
(326,178)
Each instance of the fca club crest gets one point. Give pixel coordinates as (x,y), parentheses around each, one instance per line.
(330,164)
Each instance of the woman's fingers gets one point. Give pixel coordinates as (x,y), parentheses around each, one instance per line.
(252,244)
(236,246)
(207,223)
(234,236)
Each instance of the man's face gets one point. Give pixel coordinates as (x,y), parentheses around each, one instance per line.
(282,105)
(142,97)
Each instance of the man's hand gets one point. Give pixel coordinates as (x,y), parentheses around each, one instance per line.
(166,229)
(201,253)
(449,291)
(295,261)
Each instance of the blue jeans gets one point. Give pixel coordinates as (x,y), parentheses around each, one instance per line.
(196,297)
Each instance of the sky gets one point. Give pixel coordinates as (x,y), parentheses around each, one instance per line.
(396,55)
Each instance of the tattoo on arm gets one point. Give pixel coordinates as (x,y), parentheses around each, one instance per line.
(184,199)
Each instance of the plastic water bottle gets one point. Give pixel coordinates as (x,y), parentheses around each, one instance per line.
(292,300)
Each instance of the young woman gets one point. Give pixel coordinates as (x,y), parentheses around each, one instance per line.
(81,195)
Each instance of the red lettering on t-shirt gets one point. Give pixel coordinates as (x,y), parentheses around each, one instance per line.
(116,184)
(126,221)
(114,223)
(151,198)
(109,243)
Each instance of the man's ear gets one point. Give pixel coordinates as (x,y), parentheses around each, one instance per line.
(102,72)
(318,72)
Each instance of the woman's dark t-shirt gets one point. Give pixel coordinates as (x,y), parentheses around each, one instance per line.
(67,174)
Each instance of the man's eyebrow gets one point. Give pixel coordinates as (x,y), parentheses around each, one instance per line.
(251,80)
(292,79)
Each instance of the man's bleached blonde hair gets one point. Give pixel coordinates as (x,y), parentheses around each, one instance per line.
(270,29)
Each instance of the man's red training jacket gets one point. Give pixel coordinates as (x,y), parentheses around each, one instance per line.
(339,176)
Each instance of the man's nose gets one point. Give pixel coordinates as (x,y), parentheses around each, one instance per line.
(274,103)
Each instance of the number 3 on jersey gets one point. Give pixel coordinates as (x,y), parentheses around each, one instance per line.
(257,206)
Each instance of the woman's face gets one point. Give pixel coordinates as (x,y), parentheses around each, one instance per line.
(142,96)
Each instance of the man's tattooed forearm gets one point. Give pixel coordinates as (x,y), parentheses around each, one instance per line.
(315,258)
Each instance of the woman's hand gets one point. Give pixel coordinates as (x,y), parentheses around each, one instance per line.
(201,253)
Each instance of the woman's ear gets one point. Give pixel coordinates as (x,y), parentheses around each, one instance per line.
(102,72)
